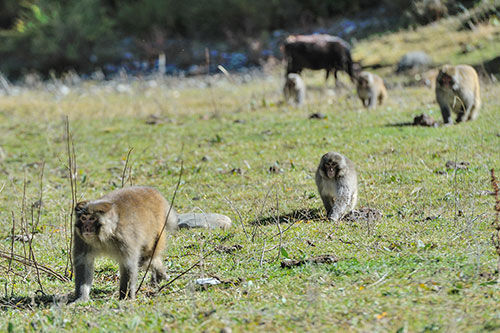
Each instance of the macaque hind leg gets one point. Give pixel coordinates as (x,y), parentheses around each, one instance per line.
(158,271)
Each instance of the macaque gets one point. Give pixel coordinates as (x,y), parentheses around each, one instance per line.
(294,88)
(125,224)
(371,89)
(337,183)
(457,90)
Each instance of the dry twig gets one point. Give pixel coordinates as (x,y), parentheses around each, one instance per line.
(495,238)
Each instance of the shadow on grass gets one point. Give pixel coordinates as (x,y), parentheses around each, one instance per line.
(294,216)
(400,124)
(45,301)
(31,302)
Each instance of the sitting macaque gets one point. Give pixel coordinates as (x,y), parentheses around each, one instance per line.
(371,89)
(126,225)
(294,88)
(457,90)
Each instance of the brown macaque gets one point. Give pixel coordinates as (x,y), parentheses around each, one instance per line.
(294,89)
(457,90)
(371,89)
(125,225)
(337,183)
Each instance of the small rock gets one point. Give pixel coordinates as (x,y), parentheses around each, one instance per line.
(414,60)
(207,281)
(204,220)
(317,115)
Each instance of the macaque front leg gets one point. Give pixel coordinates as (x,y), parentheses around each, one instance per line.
(128,277)
(83,261)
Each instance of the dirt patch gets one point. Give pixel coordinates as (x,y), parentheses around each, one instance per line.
(323,259)
(228,249)
(363,214)
(457,165)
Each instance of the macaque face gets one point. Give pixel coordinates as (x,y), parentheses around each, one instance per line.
(330,167)
(445,81)
(362,82)
(87,222)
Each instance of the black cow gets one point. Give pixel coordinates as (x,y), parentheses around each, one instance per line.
(318,52)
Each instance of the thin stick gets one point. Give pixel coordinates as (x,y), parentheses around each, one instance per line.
(495,238)
(263,251)
(70,146)
(257,226)
(239,215)
(164,226)
(186,271)
(125,167)
(28,262)
(12,240)
(33,228)
(279,226)
(210,88)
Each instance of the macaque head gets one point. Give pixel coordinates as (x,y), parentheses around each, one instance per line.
(357,68)
(445,77)
(332,165)
(88,214)
(292,79)
(364,80)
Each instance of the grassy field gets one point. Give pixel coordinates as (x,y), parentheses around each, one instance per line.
(426,265)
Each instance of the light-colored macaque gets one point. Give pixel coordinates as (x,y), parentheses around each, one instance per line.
(457,90)
(337,183)
(294,89)
(371,89)
(125,225)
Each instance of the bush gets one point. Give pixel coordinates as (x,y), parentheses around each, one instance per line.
(49,35)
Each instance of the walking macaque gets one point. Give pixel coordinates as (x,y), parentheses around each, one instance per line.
(457,90)
(294,88)
(371,89)
(125,225)
(337,183)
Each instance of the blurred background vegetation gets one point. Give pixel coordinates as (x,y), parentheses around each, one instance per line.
(44,35)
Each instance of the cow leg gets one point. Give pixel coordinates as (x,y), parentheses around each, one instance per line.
(336,79)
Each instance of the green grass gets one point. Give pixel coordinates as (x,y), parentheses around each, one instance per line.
(426,265)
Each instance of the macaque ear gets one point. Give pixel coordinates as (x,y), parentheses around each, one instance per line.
(101,207)
(80,207)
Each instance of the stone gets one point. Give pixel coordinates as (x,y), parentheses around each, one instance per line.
(414,60)
(204,220)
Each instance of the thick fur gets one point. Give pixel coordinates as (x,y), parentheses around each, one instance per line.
(124,225)
(457,90)
(319,51)
(294,89)
(337,183)
(371,89)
